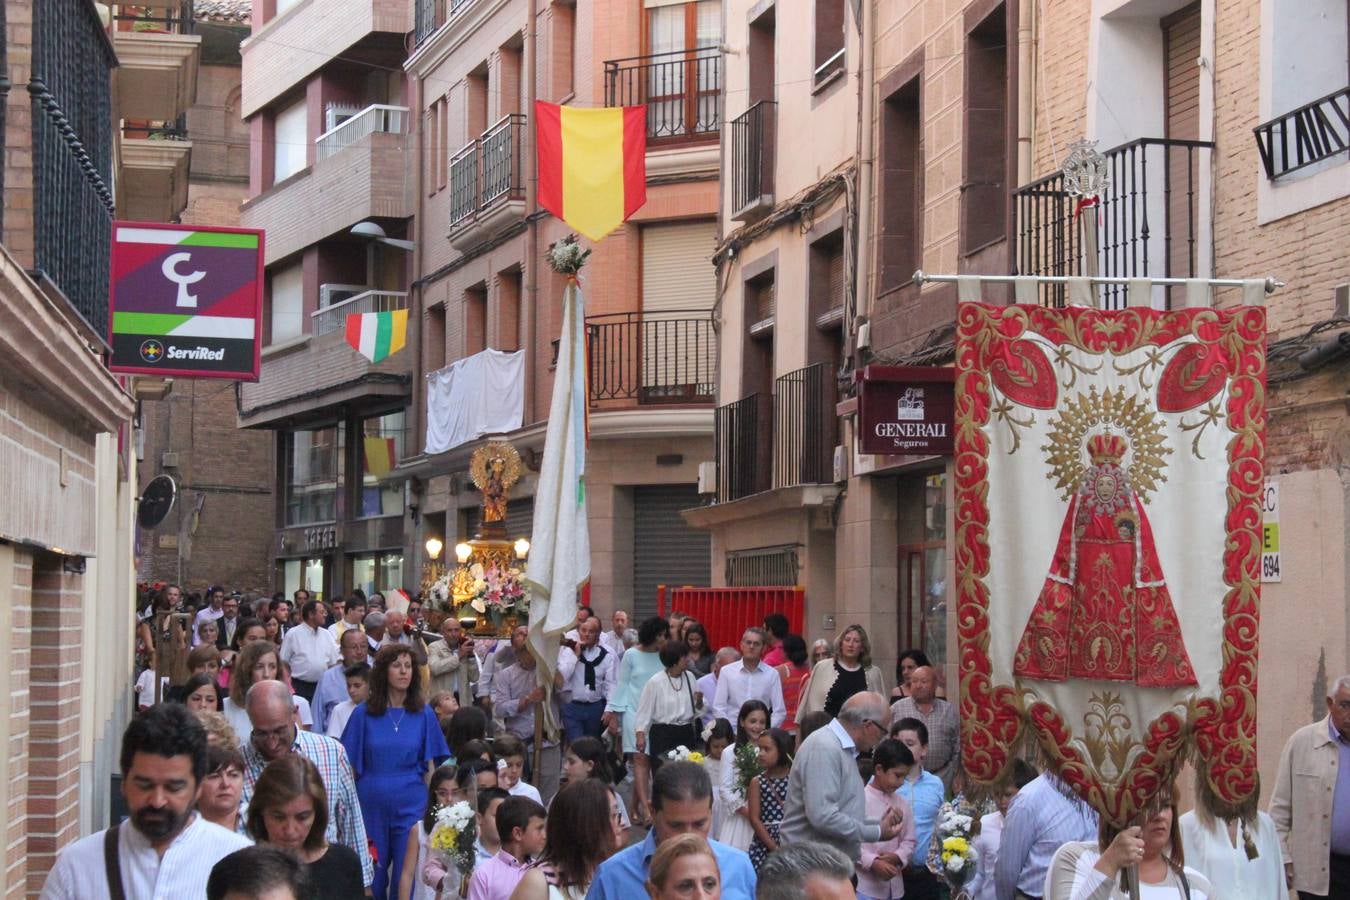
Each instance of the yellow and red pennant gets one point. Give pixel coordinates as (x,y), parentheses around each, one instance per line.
(592,164)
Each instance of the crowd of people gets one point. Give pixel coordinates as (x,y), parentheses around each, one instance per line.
(288,747)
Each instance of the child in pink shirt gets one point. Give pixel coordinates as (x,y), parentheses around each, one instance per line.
(881,863)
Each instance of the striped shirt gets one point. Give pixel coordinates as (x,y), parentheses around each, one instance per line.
(1041,819)
(180,874)
(345,825)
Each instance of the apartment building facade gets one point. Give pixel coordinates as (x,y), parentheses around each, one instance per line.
(89,88)
(1224,163)
(483,284)
(224,474)
(324,96)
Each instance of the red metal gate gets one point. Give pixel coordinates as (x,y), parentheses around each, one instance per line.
(727,612)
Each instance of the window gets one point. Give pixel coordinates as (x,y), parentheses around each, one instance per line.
(674,32)
(287,304)
(437,127)
(922,561)
(475,319)
(303,573)
(313,469)
(757,363)
(509,290)
(563,46)
(377,572)
(434,337)
(826,289)
(283,5)
(829,24)
(760,53)
(382,442)
(984,207)
(901,216)
(290,141)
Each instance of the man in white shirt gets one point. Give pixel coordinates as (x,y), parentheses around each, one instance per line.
(707,685)
(165,849)
(309,649)
(352,614)
(750,681)
(589,673)
(332,688)
(613,640)
(214,610)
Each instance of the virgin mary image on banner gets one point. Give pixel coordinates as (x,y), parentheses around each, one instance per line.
(1107,476)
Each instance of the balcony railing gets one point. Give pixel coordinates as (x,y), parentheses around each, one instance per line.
(70,90)
(156,131)
(1149,223)
(743,434)
(430,15)
(488,169)
(1320,130)
(666,357)
(682,90)
(334,318)
(753,142)
(374,118)
(805,427)
(160,17)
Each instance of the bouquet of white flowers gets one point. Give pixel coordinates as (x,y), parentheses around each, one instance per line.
(951,855)
(566,257)
(454,834)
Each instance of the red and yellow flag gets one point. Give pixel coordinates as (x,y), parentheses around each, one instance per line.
(592,164)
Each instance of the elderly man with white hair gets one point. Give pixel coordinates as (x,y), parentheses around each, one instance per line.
(707,685)
(272,714)
(1311,801)
(806,872)
(827,805)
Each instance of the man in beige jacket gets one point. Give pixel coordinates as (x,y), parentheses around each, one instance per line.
(1311,802)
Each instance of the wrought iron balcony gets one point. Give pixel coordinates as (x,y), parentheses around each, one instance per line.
(1149,223)
(743,435)
(653,358)
(487,181)
(334,317)
(70,90)
(377,117)
(754,139)
(682,90)
(805,427)
(158,57)
(1320,130)
(430,15)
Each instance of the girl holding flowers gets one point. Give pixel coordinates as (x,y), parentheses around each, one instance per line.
(738,772)
(768,793)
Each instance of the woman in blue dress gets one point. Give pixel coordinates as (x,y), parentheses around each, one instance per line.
(394,743)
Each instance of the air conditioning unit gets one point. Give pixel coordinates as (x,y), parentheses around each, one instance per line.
(330,294)
(840,464)
(334,114)
(707,477)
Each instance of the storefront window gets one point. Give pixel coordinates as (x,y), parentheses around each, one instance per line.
(377,572)
(313,471)
(303,573)
(382,439)
(922,558)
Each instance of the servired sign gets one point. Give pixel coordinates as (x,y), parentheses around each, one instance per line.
(186,301)
(909,410)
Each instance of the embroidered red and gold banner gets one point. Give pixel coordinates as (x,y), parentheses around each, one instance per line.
(1109,466)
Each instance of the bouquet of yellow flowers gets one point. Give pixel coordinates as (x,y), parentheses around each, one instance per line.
(454,834)
(952,855)
(684,754)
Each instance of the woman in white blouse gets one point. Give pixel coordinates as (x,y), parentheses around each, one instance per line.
(669,707)
(1219,848)
(1082,871)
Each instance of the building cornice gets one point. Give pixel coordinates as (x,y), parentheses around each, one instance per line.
(43,349)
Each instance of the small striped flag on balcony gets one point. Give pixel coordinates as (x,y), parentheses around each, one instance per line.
(592,164)
(378,334)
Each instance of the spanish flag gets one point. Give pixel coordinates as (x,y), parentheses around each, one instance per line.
(592,164)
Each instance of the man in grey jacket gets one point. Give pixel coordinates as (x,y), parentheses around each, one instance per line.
(828,806)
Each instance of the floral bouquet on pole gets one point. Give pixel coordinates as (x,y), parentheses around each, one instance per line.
(951,855)
(454,835)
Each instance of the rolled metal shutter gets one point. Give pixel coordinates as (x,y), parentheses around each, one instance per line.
(666,549)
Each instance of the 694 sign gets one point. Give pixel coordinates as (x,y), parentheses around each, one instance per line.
(1270,533)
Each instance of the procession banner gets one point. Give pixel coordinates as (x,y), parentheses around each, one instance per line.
(185,301)
(1109,471)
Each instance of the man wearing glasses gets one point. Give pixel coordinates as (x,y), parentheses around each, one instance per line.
(828,807)
(272,713)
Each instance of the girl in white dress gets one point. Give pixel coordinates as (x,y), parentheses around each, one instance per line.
(736,830)
(717,740)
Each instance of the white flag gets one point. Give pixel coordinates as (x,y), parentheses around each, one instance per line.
(560,547)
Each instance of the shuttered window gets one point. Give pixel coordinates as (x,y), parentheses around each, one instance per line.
(677,269)
(666,549)
(290,139)
(1181,50)
(287,304)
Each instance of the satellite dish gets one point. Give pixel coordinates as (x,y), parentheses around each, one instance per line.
(156,501)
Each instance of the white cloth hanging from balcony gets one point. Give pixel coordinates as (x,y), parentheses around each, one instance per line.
(478,395)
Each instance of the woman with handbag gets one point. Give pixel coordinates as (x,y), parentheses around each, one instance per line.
(669,708)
